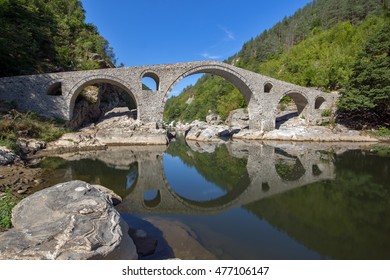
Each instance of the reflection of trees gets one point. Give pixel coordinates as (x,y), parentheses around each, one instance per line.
(289,170)
(121,181)
(219,167)
(348,218)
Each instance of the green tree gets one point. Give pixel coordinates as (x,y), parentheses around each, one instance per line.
(368,89)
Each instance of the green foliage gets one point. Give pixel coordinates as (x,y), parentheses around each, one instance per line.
(326,113)
(316,47)
(210,93)
(369,86)
(7,202)
(324,60)
(29,125)
(382,131)
(45,36)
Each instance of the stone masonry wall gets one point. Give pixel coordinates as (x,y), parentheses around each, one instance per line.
(39,93)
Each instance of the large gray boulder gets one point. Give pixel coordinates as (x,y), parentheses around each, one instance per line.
(72,220)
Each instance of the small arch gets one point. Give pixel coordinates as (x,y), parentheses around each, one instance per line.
(150,81)
(265,187)
(284,116)
(320,101)
(55,89)
(267,87)
(152,198)
(316,170)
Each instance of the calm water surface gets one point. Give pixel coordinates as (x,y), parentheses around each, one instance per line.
(251,201)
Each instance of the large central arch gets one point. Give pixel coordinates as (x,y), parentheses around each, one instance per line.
(225,72)
(96,79)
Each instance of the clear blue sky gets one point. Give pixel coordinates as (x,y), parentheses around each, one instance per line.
(169,31)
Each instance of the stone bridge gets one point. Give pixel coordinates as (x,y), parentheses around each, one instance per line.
(54,95)
(262,170)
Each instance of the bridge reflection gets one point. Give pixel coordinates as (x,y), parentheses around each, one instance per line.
(271,169)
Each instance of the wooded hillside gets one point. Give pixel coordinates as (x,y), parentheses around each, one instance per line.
(318,46)
(38,36)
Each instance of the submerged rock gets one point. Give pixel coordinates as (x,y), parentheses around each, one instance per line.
(72,220)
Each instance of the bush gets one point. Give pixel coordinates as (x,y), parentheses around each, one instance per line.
(7,202)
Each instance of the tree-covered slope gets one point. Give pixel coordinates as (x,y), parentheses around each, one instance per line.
(38,36)
(316,47)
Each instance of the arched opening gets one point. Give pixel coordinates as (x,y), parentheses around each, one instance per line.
(150,81)
(97,100)
(265,187)
(319,103)
(291,110)
(267,87)
(55,89)
(152,198)
(211,98)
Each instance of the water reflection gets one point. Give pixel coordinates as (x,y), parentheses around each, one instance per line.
(198,177)
(292,200)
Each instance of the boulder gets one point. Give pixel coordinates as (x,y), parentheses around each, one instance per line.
(213,119)
(238,119)
(6,156)
(201,131)
(72,220)
(30,146)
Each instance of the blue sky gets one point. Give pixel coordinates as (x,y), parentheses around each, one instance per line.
(170,31)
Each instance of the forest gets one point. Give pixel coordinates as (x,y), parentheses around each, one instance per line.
(333,45)
(39,36)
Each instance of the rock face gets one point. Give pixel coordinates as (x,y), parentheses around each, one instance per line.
(72,220)
(6,156)
(238,119)
(303,133)
(201,131)
(117,127)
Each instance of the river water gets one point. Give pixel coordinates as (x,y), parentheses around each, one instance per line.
(251,200)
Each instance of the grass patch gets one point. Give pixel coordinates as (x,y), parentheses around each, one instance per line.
(14,124)
(326,113)
(7,202)
(381,132)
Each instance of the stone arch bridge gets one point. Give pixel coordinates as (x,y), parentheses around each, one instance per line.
(54,95)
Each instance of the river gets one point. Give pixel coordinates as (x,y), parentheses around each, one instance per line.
(250,200)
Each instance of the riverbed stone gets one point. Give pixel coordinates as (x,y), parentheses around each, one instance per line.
(6,156)
(72,220)
(30,146)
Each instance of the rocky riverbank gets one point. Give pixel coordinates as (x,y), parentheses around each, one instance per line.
(288,129)
(116,127)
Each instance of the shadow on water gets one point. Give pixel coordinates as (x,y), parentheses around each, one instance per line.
(163,250)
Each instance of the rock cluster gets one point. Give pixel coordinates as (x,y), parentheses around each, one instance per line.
(289,128)
(117,127)
(72,220)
